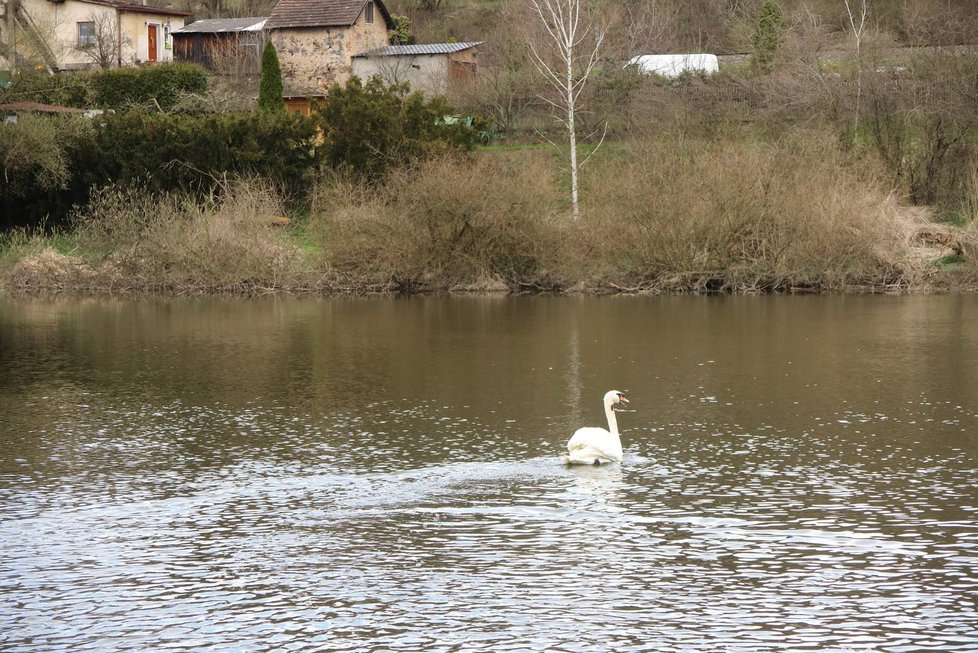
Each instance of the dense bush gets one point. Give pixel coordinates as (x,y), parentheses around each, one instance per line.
(53,163)
(173,151)
(36,164)
(163,83)
(369,128)
(65,89)
(445,221)
(741,213)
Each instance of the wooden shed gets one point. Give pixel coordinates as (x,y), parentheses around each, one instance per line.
(219,42)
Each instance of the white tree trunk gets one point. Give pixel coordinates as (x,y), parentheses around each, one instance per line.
(572,136)
(565,37)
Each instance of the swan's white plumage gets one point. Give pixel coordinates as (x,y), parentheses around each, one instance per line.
(592,445)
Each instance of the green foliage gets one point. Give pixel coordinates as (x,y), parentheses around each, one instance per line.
(270,84)
(768,35)
(120,88)
(66,89)
(53,163)
(401,34)
(172,151)
(36,157)
(367,129)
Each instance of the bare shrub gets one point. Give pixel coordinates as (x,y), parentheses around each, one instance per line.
(172,242)
(921,122)
(741,215)
(446,222)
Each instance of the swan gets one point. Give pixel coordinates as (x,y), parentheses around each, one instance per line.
(592,445)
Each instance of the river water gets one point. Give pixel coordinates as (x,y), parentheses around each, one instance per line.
(800,474)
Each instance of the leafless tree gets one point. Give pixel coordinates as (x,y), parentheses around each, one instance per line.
(858,12)
(101,44)
(393,70)
(566,56)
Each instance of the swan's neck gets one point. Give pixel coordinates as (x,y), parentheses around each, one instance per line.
(612,420)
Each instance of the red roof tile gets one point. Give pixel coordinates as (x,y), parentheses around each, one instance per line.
(137,7)
(37,107)
(321,13)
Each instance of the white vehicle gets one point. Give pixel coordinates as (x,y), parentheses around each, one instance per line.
(674,65)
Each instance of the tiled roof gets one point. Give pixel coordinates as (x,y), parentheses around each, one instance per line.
(321,13)
(424,48)
(135,7)
(217,25)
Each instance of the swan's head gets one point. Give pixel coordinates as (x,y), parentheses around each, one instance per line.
(614,398)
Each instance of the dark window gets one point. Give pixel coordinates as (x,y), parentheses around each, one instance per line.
(86,35)
(369,12)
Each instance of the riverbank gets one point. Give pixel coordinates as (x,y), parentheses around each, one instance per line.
(669,215)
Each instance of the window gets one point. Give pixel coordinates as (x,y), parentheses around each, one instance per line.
(369,12)
(86,35)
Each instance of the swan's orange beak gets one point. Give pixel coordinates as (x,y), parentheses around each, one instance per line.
(622,399)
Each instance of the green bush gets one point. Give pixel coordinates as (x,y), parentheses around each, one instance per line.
(120,88)
(191,152)
(368,128)
(36,156)
(52,164)
(65,89)
(768,35)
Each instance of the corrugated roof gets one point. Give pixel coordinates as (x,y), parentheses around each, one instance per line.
(321,13)
(419,49)
(218,25)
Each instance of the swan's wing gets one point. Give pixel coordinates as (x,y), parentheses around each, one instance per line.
(588,437)
(592,444)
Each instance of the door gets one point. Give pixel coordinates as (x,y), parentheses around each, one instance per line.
(151,42)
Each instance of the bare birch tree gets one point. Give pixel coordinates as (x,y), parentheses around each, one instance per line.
(572,42)
(858,13)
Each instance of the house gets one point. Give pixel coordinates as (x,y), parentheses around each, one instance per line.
(433,68)
(316,40)
(74,34)
(215,43)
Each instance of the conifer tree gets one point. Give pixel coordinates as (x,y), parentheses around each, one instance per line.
(767,35)
(270,82)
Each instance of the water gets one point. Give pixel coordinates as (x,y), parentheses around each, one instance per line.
(801,474)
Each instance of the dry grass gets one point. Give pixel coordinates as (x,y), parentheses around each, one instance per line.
(128,240)
(448,223)
(666,214)
(742,215)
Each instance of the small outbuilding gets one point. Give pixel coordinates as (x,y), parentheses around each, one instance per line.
(213,42)
(432,68)
(674,65)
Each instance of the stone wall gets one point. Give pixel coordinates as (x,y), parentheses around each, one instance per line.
(312,58)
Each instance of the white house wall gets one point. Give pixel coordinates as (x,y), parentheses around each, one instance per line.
(58,23)
(427,73)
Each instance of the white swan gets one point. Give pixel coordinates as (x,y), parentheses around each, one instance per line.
(592,445)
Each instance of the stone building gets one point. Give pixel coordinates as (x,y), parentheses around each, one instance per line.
(316,40)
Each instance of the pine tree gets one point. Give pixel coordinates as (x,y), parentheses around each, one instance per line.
(270,83)
(767,35)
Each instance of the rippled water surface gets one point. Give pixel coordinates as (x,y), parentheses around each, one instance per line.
(801,473)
